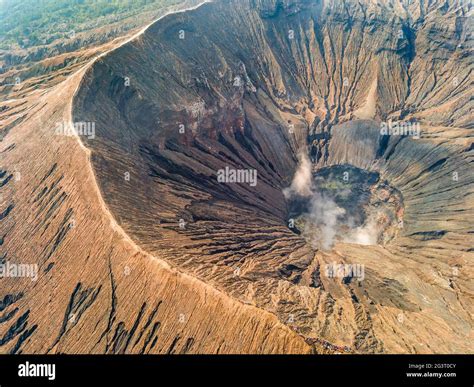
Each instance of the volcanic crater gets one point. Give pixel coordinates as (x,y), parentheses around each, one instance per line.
(277,86)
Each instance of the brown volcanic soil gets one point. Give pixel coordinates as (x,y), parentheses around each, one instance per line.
(118,272)
(97,291)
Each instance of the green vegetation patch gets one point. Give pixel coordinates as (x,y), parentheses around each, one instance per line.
(29,23)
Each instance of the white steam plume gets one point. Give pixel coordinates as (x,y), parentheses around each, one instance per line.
(366,234)
(323,221)
(302,184)
(323,215)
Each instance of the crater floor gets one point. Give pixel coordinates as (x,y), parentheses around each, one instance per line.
(352,204)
